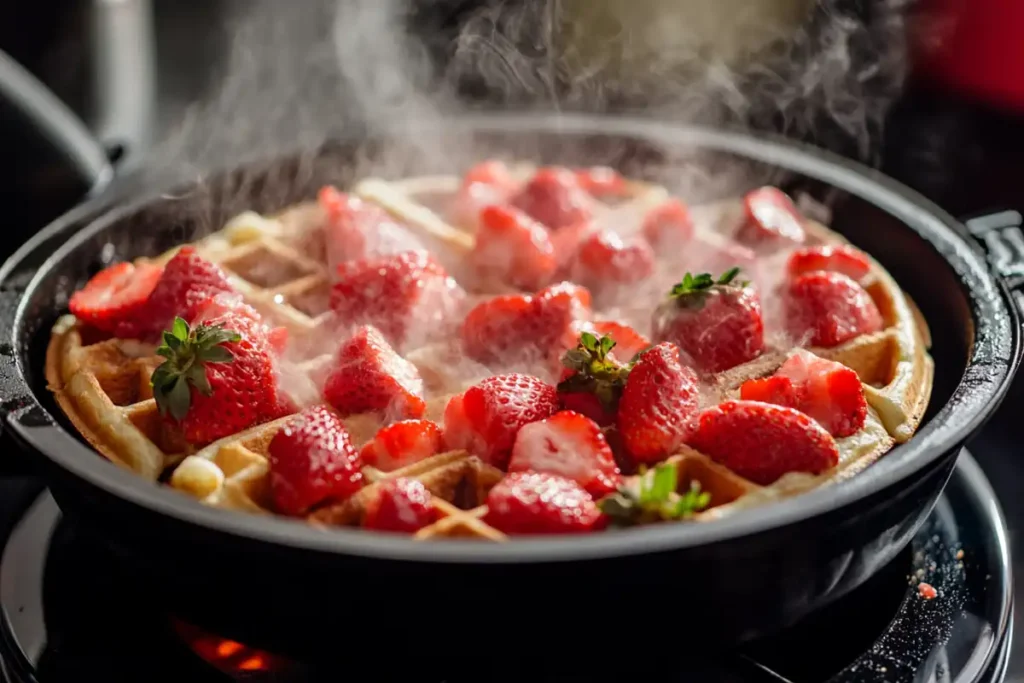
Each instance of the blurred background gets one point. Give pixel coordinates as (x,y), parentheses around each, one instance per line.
(929,91)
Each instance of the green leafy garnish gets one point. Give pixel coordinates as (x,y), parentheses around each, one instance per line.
(692,289)
(593,371)
(187,352)
(653,497)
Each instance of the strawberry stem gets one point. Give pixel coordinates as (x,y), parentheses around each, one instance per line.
(187,351)
(653,497)
(692,289)
(594,372)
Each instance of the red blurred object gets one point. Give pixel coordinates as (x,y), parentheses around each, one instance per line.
(229,656)
(975,47)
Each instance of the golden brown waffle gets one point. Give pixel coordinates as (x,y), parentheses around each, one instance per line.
(278,266)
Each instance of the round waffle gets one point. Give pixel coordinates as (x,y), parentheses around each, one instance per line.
(275,263)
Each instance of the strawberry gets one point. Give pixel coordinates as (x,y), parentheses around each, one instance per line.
(827,391)
(188,280)
(761,442)
(839,258)
(312,461)
(658,404)
(604,261)
(400,505)
(538,503)
(770,218)
(716,322)
(592,381)
(370,377)
(408,297)
(668,225)
(628,342)
(654,496)
(357,229)
(485,184)
(115,295)
(826,309)
(513,247)
(521,329)
(403,443)
(218,377)
(602,182)
(570,445)
(554,198)
(486,418)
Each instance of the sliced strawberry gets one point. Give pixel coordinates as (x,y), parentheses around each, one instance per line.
(602,182)
(668,225)
(312,461)
(717,323)
(554,198)
(537,503)
(628,342)
(658,404)
(400,505)
(840,258)
(761,442)
(188,280)
(827,391)
(605,261)
(370,377)
(513,247)
(827,309)
(403,443)
(114,295)
(570,445)
(408,297)
(486,418)
(771,218)
(523,330)
(357,229)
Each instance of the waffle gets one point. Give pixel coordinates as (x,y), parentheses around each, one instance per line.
(103,385)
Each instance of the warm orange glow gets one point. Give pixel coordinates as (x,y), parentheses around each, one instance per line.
(227,655)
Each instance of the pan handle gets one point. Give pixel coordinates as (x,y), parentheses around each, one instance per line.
(1001,236)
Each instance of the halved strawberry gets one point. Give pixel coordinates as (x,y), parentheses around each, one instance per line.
(312,461)
(668,225)
(357,229)
(403,443)
(408,297)
(771,218)
(658,404)
(628,342)
(717,323)
(400,505)
(570,445)
(514,248)
(761,442)
(188,281)
(370,377)
(605,261)
(827,391)
(538,503)
(522,330)
(840,258)
(486,418)
(826,309)
(553,197)
(114,295)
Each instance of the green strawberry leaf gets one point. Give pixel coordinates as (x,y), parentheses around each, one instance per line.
(692,289)
(652,497)
(188,350)
(593,371)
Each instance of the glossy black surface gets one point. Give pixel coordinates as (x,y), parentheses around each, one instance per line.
(62,595)
(809,550)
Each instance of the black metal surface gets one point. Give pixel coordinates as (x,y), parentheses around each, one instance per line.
(62,595)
